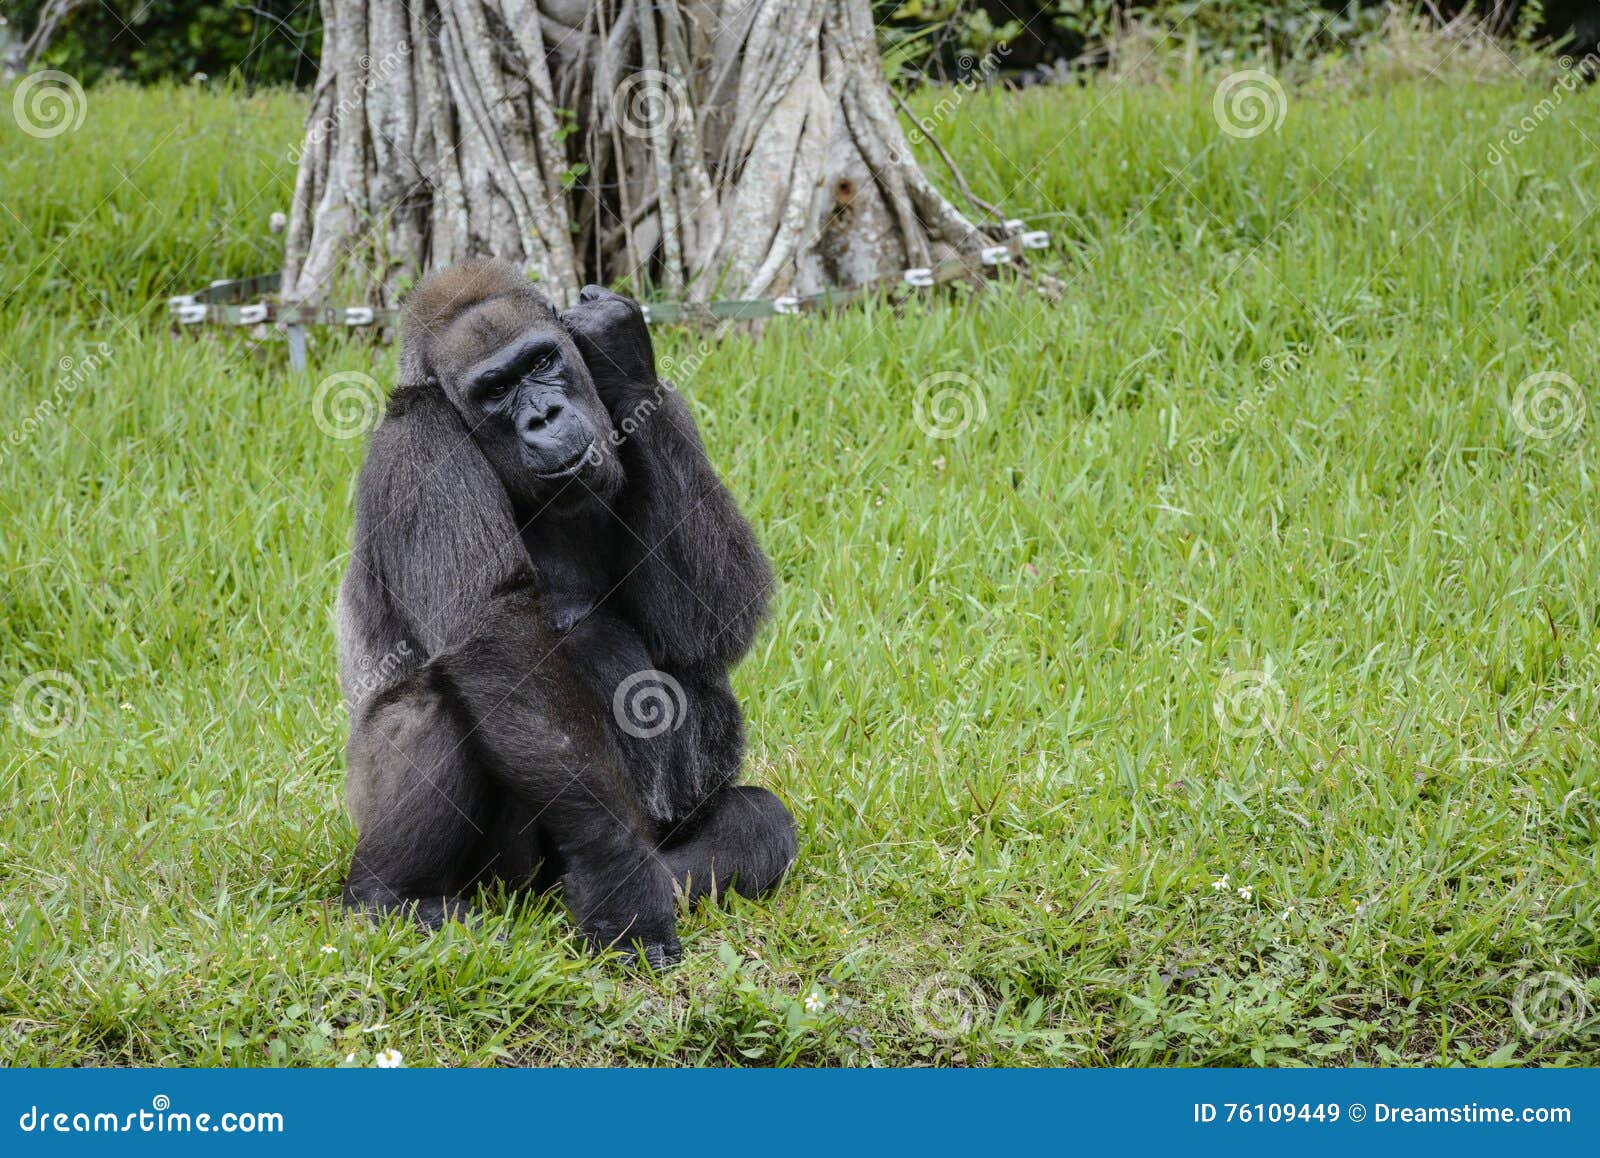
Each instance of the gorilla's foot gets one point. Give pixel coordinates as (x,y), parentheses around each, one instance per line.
(430,912)
(637,919)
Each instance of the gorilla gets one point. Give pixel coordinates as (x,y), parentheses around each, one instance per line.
(548,587)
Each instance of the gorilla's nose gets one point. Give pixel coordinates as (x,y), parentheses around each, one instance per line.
(543,412)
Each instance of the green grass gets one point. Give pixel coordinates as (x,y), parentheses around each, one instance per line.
(989,685)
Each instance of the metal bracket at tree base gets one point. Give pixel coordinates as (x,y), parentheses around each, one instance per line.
(228,303)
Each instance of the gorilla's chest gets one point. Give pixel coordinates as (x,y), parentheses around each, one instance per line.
(679,732)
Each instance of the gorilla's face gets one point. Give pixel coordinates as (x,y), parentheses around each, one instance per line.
(518,381)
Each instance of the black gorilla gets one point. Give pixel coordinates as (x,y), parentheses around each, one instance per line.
(548,587)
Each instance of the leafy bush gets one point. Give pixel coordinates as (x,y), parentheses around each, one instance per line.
(934,34)
(267,42)
(262,42)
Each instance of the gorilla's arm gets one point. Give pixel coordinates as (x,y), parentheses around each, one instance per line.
(698,581)
(435,537)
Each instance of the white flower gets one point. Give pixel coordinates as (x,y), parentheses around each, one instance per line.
(349,1058)
(278,222)
(329,949)
(1287,913)
(1220,883)
(389,1059)
(1246,892)
(815,1002)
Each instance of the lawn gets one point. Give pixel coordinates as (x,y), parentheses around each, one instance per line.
(1222,691)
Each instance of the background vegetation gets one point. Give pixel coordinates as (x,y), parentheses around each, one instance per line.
(1267,435)
(270,42)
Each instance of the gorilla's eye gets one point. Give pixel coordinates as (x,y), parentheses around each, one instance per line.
(494,389)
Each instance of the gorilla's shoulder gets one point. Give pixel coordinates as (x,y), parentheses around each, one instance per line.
(407,397)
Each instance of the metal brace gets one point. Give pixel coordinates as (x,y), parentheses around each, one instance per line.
(1014,225)
(189,313)
(786,305)
(921,276)
(995,254)
(1036,239)
(250,315)
(358,315)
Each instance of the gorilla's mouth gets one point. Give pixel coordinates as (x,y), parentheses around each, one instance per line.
(572,466)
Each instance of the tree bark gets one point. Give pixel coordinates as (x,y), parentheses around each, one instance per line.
(701,148)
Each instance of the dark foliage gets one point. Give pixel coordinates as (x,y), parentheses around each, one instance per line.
(259,42)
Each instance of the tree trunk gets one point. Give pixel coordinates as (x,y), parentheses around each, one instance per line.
(699,148)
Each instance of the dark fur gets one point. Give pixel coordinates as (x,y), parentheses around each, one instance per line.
(500,610)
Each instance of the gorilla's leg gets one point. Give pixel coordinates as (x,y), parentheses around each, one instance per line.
(742,839)
(544,743)
(418,803)
(515,851)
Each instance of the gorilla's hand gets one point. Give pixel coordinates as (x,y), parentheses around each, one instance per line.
(611,334)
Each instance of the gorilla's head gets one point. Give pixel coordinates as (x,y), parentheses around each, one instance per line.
(481,333)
